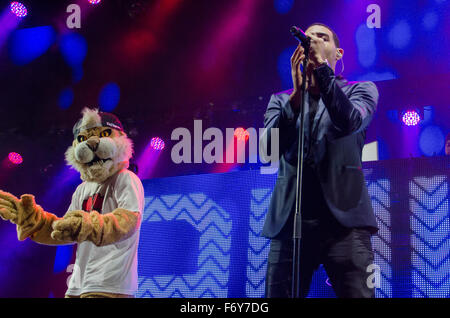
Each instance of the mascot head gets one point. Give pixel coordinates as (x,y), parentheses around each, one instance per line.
(100,147)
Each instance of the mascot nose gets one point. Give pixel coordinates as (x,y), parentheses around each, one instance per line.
(93,142)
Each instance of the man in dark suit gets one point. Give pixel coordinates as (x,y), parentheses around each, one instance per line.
(337,216)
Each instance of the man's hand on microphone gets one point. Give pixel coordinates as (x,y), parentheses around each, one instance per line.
(296,61)
(317,55)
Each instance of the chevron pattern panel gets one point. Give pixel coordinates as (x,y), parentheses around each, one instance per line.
(430,239)
(379,191)
(214,225)
(200,235)
(258,247)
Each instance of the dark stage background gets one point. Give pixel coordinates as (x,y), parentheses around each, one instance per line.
(160,64)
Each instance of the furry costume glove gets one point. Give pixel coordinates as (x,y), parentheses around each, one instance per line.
(100,229)
(29,217)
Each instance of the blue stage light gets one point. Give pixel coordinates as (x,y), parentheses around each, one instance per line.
(377,76)
(109,97)
(367,49)
(400,35)
(430,20)
(283,6)
(28,44)
(431,140)
(62,258)
(284,67)
(74,49)
(66,98)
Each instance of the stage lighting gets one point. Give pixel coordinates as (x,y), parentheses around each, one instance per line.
(283,6)
(157,143)
(19,9)
(241,134)
(400,35)
(411,118)
(109,97)
(15,158)
(66,98)
(26,45)
(432,141)
(95,1)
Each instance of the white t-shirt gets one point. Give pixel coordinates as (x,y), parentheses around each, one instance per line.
(111,268)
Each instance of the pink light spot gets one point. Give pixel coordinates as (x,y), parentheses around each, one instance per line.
(241,134)
(18,9)
(411,118)
(15,158)
(157,143)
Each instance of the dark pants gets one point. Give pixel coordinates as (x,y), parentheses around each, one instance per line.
(345,259)
(345,253)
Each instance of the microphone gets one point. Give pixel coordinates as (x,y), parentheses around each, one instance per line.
(301,36)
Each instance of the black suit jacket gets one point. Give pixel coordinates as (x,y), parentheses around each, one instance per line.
(333,146)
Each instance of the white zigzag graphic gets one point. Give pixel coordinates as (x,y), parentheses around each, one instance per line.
(381,248)
(381,202)
(258,246)
(434,237)
(382,214)
(256,272)
(430,184)
(435,272)
(433,218)
(430,241)
(428,290)
(212,222)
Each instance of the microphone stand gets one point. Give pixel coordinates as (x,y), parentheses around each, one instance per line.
(297,231)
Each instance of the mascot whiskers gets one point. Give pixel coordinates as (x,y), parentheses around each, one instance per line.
(104,216)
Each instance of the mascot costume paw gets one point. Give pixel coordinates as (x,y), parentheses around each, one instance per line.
(104,216)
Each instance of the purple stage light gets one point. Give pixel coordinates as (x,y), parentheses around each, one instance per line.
(18,9)
(15,158)
(157,143)
(95,1)
(411,118)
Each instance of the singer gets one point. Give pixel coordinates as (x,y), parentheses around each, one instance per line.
(337,216)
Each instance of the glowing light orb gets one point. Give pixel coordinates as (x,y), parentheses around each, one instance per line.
(95,1)
(241,134)
(411,118)
(15,158)
(283,6)
(18,9)
(157,143)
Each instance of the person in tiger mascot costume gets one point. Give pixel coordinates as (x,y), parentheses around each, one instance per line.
(104,216)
